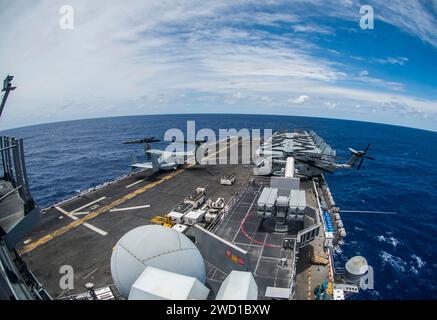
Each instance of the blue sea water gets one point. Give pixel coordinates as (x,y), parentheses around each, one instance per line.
(64,158)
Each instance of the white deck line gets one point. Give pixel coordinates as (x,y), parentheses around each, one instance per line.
(86,224)
(88,204)
(230,244)
(81,213)
(99,231)
(130,208)
(135,183)
(259,257)
(92,189)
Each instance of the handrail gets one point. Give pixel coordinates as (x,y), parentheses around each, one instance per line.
(9,193)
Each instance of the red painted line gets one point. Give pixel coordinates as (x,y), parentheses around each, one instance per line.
(251,238)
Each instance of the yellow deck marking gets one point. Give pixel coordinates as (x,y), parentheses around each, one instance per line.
(309,284)
(96,213)
(89,226)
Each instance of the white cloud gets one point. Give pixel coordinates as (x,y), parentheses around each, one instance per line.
(411,16)
(417,18)
(391,85)
(162,56)
(391,60)
(313,29)
(330,105)
(266,99)
(299,100)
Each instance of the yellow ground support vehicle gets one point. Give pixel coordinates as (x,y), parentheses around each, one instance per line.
(163,221)
(319,260)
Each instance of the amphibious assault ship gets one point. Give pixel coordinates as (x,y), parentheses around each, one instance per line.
(268,227)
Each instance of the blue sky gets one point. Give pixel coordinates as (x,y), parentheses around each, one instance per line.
(306,58)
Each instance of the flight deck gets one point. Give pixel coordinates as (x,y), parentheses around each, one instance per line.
(81,232)
(289,260)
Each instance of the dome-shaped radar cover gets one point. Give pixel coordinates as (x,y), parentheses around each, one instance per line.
(156,246)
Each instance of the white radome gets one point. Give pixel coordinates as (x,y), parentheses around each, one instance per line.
(357,266)
(158,247)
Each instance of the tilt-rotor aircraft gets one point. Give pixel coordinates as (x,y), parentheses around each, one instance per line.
(162,160)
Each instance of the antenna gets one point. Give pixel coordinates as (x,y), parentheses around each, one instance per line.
(7,87)
(361,211)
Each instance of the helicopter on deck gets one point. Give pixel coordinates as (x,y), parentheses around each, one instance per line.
(312,155)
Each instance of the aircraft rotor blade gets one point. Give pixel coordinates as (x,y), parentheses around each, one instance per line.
(353,151)
(367,148)
(363,155)
(361,163)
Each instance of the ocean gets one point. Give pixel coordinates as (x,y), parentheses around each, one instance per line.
(65,158)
